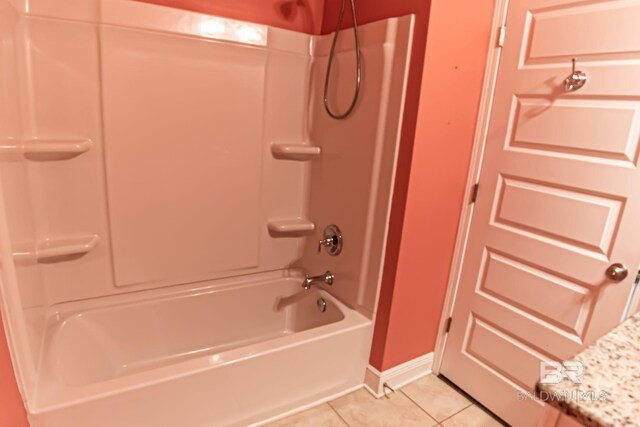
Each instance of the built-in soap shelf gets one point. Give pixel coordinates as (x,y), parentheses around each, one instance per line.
(50,249)
(294,151)
(45,149)
(294,226)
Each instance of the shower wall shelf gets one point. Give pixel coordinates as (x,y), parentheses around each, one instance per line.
(295,151)
(291,226)
(49,249)
(46,147)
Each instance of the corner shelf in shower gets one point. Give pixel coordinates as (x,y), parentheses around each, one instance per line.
(291,226)
(46,149)
(295,151)
(51,249)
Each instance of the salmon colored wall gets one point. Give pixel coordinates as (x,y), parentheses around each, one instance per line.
(423,231)
(297,15)
(12,413)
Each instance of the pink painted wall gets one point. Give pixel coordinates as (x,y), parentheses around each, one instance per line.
(12,413)
(424,229)
(297,15)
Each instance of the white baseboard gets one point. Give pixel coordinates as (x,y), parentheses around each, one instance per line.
(397,376)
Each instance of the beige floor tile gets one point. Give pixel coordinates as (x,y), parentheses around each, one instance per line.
(360,408)
(319,416)
(471,417)
(436,397)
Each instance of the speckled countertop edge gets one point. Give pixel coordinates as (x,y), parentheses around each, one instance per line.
(609,389)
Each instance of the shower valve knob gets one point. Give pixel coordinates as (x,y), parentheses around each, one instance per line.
(331,240)
(325,242)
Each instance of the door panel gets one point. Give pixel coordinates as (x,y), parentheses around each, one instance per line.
(546,212)
(558,202)
(569,308)
(487,342)
(568,29)
(584,130)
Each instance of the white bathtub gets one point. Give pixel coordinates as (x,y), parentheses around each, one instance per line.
(231,354)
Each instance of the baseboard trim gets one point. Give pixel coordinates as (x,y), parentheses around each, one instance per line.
(397,376)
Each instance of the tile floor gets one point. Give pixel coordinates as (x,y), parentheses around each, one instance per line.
(426,402)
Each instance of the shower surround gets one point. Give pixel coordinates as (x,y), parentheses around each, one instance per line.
(165,177)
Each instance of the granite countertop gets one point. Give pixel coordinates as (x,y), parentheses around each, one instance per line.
(609,389)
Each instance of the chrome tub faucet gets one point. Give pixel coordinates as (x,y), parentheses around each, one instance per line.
(326,278)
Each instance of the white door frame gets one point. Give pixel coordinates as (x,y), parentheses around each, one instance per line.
(482,126)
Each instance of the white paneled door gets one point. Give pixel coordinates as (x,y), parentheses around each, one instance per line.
(558,202)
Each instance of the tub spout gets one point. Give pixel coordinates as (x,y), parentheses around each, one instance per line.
(326,278)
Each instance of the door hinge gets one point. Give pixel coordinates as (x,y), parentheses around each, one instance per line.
(448,327)
(502,35)
(474,195)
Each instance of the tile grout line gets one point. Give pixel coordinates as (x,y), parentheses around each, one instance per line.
(438,423)
(473,401)
(456,413)
(425,411)
(421,408)
(338,413)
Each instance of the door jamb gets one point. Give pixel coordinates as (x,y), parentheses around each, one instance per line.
(482,125)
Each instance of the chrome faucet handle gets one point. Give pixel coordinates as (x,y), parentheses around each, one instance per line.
(327,242)
(331,240)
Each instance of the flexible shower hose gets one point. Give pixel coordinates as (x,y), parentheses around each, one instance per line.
(358,64)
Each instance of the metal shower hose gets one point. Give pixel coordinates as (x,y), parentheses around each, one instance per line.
(358,64)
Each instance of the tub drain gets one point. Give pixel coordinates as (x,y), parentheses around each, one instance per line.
(322,305)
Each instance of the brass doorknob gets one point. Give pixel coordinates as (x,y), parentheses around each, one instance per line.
(617,272)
